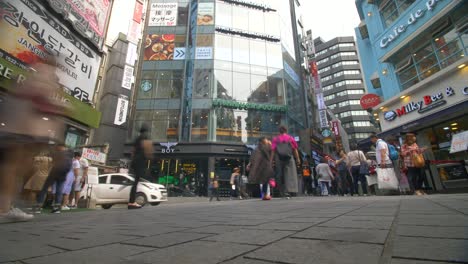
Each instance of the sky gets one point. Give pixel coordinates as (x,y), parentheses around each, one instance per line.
(330,18)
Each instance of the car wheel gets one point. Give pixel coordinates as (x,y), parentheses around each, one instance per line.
(106,206)
(140,199)
(154,204)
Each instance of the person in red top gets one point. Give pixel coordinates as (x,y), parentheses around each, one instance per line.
(283,148)
(414,174)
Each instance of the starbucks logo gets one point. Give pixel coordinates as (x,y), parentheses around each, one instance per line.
(146,85)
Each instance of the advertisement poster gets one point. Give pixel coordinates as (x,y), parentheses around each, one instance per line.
(163,14)
(127,77)
(121,110)
(459,142)
(88,17)
(131,54)
(205,14)
(34,35)
(138,12)
(134,32)
(159,47)
(336,127)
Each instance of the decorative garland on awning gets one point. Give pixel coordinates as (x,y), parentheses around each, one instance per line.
(247,34)
(249,106)
(263,7)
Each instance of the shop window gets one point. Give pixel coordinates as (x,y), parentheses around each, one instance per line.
(200,125)
(391,10)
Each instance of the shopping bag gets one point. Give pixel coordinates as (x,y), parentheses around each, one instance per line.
(386,179)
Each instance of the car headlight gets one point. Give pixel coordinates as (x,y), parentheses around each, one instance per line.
(149,186)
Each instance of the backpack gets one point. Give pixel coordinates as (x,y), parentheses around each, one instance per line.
(284,150)
(392,152)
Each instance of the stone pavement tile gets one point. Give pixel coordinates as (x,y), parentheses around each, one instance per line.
(357,224)
(247,222)
(434,220)
(214,229)
(10,251)
(374,212)
(80,241)
(104,254)
(427,212)
(310,220)
(190,224)
(194,252)
(148,231)
(165,240)
(344,234)
(318,251)
(412,261)
(367,218)
(246,236)
(454,250)
(433,231)
(281,226)
(242,260)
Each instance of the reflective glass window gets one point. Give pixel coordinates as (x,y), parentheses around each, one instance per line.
(257,53)
(240,52)
(223,47)
(259,88)
(241,86)
(223,81)
(202,83)
(241,18)
(223,14)
(200,125)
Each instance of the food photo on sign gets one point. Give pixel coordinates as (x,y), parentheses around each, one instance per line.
(159,47)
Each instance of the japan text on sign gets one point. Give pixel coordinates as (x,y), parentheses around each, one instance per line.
(121,110)
(94,155)
(163,14)
(127,78)
(34,35)
(89,18)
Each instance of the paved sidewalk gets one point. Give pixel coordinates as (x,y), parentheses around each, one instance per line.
(397,230)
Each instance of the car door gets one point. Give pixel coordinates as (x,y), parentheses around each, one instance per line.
(100,189)
(120,186)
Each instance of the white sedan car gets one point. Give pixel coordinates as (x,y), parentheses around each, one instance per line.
(110,189)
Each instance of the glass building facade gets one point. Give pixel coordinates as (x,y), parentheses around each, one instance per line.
(219,72)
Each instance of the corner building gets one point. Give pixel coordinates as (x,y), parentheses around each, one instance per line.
(339,68)
(216,76)
(414,55)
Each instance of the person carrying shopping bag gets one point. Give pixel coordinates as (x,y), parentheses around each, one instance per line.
(325,177)
(386,178)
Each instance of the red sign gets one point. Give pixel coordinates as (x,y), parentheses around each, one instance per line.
(137,13)
(313,68)
(335,124)
(369,101)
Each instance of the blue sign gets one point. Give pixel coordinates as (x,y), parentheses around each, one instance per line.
(146,85)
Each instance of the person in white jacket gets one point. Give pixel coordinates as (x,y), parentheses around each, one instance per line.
(325,177)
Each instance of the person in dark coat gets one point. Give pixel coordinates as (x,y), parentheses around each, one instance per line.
(260,169)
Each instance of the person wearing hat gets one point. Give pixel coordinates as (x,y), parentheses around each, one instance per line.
(142,152)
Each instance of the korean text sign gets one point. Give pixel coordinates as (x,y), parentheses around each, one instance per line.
(34,35)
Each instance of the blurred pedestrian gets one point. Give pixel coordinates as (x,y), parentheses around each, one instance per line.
(307,178)
(325,177)
(28,116)
(260,168)
(42,165)
(356,162)
(343,179)
(142,152)
(235,182)
(62,165)
(372,176)
(79,181)
(284,150)
(412,155)
(214,188)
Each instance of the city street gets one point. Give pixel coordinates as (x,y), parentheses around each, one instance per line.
(393,229)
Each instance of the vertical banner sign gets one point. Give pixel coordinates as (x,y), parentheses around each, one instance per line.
(89,18)
(121,110)
(163,15)
(134,31)
(321,102)
(336,127)
(127,77)
(323,118)
(30,34)
(131,54)
(138,12)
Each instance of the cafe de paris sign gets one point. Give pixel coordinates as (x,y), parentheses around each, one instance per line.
(414,16)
